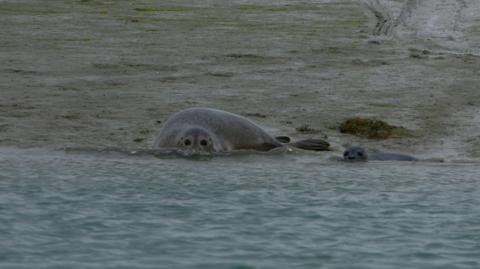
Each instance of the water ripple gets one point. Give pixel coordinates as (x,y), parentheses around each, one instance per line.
(267,211)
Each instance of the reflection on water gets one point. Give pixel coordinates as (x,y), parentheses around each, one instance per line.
(290,210)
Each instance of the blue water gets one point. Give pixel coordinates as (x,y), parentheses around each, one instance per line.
(60,210)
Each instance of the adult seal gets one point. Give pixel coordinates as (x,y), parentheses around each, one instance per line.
(206,130)
(357,153)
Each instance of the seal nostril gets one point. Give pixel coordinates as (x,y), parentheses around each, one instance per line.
(203,142)
(187,142)
(345,153)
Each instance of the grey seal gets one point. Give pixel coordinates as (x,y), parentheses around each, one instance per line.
(206,130)
(357,153)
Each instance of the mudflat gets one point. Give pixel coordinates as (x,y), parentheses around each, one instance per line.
(93,73)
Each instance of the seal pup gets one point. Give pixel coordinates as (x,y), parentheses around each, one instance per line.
(357,153)
(206,130)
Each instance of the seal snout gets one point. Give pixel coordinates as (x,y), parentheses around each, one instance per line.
(355,154)
(196,140)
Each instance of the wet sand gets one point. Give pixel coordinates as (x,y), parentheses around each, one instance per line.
(94,73)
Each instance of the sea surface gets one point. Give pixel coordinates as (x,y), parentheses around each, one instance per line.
(284,210)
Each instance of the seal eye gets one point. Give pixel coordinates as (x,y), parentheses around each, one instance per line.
(203,142)
(345,153)
(187,142)
(360,154)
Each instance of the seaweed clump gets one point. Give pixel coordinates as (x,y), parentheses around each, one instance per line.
(371,128)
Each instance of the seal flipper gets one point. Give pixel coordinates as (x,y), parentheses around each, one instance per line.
(283,139)
(312,144)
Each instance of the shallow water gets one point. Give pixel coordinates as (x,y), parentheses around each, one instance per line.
(61,210)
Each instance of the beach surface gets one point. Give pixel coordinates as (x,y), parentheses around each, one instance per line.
(97,74)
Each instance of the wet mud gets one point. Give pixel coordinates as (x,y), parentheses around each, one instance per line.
(98,74)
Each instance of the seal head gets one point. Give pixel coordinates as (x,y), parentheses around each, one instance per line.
(355,154)
(195,140)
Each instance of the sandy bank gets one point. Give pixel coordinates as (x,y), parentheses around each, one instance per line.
(108,73)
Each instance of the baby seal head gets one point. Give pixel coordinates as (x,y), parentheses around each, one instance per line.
(355,154)
(195,141)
